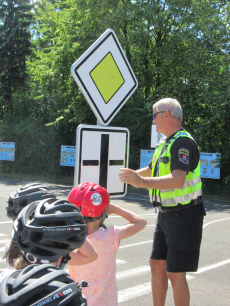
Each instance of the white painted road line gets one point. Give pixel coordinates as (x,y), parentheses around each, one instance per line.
(129,245)
(5,241)
(136,291)
(218,264)
(131,272)
(2,235)
(215,221)
(120,262)
(4,222)
(2,249)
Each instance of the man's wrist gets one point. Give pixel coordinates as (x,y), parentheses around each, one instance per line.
(143,182)
(146,182)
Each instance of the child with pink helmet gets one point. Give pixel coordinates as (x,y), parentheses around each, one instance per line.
(94,203)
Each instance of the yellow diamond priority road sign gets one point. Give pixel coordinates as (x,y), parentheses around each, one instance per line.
(105,77)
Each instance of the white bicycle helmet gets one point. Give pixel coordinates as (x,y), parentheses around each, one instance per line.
(39,285)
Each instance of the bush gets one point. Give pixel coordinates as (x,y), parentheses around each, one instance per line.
(37,147)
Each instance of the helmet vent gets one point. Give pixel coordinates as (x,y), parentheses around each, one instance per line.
(20,226)
(31,214)
(42,252)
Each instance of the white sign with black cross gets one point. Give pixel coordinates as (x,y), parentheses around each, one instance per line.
(105,77)
(100,153)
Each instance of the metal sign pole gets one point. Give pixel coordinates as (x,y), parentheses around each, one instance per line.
(98,123)
(107,81)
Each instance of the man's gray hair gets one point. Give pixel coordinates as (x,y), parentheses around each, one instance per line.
(171,105)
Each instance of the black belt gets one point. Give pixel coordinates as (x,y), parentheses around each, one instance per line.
(164,209)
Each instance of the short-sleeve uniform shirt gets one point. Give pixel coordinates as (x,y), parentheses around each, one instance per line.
(184,154)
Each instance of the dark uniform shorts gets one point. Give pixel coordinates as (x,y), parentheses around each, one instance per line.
(177,238)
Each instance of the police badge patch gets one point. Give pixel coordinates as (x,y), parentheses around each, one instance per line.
(183,156)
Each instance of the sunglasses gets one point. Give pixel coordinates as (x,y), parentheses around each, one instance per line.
(154,115)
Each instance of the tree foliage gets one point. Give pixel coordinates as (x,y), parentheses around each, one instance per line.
(15,41)
(176,48)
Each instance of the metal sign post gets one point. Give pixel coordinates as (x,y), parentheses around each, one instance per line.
(107,81)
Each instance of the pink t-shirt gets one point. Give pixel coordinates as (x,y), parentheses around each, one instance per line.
(100,274)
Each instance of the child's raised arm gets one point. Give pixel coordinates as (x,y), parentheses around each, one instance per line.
(136,224)
(83,255)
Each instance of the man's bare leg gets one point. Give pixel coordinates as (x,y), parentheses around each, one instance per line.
(180,288)
(159,280)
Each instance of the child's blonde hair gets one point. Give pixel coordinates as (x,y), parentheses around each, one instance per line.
(13,253)
(21,263)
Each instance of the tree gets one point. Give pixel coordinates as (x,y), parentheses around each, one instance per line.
(176,48)
(15,41)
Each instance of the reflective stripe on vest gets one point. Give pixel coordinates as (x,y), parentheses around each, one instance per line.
(185,199)
(154,194)
(187,184)
(191,189)
(152,198)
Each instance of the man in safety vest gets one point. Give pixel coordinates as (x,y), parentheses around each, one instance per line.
(174,183)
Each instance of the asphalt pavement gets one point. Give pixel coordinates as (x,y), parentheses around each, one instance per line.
(209,286)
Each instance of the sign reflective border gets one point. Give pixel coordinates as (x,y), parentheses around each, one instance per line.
(105,77)
(100,153)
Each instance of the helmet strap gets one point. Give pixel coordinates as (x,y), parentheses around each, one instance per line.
(92,219)
(64,261)
(102,220)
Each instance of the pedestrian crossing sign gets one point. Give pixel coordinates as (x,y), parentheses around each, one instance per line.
(105,77)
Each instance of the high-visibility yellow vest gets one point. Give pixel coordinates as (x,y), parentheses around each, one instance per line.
(192,188)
